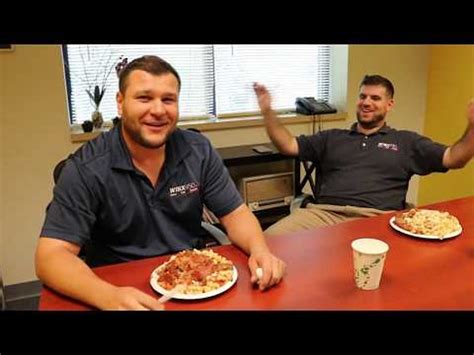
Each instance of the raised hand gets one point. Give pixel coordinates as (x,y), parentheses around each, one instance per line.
(263,97)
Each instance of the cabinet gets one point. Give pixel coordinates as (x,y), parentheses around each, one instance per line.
(242,161)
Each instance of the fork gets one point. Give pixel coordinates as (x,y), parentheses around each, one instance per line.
(169,295)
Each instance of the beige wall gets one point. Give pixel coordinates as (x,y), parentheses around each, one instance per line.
(450,87)
(35,118)
(2,95)
(407,68)
(35,137)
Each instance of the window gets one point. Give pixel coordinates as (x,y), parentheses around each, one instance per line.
(216,79)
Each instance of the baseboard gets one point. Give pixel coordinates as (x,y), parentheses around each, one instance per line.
(23,290)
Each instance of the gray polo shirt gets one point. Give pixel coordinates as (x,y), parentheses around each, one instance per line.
(369,171)
(101,199)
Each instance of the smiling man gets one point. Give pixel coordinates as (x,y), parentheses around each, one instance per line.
(138,191)
(363,171)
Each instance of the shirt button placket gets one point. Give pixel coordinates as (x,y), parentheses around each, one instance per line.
(365,143)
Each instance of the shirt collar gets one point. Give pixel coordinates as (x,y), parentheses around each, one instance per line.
(176,149)
(121,158)
(384,129)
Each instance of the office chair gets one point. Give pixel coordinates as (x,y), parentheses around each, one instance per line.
(210,233)
(310,176)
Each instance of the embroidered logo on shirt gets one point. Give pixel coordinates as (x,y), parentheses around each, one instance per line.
(184,189)
(388,146)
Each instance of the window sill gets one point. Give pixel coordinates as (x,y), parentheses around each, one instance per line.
(224,124)
(79,137)
(255,121)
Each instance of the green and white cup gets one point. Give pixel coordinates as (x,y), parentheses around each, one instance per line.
(369,259)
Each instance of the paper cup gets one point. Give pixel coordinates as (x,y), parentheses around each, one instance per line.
(369,259)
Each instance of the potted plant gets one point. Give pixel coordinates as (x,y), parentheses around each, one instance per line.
(96,69)
(87,126)
(96,97)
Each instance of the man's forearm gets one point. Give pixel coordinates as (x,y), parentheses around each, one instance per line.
(250,239)
(459,154)
(69,275)
(279,134)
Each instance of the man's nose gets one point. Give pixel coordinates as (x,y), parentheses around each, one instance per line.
(157,107)
(366,101)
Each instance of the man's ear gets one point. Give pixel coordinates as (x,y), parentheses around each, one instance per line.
(119,99)
(390,104)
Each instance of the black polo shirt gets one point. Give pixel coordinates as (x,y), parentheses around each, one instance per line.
(101,199)
(369,171)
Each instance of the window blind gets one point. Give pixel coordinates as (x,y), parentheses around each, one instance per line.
(86,65)
(216,79)
(288,71)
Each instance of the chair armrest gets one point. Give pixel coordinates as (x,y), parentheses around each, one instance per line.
(301,201)
(216,233)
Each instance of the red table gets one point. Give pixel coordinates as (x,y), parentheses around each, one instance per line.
(419,274)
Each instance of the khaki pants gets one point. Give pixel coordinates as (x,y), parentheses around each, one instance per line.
(314,216)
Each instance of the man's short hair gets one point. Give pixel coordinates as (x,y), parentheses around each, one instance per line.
(149,63)
(379,80)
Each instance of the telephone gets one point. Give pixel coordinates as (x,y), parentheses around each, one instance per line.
(310,106)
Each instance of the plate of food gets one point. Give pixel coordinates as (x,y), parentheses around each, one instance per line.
(196,273)
(428,224)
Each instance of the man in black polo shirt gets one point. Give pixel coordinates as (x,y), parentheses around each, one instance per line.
(138,191)
(363,171)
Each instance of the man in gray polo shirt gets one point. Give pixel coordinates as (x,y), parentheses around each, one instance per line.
(138,191)
(363,171)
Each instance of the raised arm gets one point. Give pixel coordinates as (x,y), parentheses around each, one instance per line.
(59,267)
(278,133)
(459,154)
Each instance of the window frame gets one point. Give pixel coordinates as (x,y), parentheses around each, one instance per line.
(191,120)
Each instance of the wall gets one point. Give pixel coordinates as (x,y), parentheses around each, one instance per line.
(2,94)
(35,118)
(407,69)
(450,87)
(35,137)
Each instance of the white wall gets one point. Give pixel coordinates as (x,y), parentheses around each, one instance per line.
(36,136)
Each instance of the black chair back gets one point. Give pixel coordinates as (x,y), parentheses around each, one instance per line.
(311,176)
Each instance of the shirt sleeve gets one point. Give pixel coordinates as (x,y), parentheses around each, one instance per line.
(220,193)
(311,148)
(71,214)
(425,155)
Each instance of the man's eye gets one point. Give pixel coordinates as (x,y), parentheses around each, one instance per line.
(143,98)
(169,100)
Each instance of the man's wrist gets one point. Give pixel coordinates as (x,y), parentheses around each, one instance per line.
(258,249)
(268,112)
(105,297)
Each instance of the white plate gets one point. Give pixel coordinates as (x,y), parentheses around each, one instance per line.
(401,230)
(182,296)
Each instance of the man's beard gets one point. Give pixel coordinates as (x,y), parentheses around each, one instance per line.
(372,123)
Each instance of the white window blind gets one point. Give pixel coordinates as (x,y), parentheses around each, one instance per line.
(216,79)
(288,71)
(87,63)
